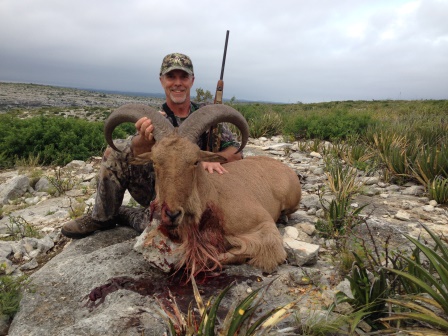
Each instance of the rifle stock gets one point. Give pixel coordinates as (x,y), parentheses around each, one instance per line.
(219,92)
(213,141)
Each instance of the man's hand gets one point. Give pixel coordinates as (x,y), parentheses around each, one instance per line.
(214,166)
(145,128)
(229,154)
(143,142)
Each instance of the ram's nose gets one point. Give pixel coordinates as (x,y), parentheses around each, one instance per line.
(172,215)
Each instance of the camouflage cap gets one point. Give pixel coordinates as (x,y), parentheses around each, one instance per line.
(176,61)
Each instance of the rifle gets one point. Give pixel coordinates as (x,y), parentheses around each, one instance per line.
(220,85)
(213,141)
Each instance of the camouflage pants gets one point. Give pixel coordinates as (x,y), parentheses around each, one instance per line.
(116,176)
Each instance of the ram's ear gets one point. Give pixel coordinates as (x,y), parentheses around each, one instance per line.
(212,157)
(142,159)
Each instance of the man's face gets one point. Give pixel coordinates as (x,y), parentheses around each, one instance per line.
(177,85)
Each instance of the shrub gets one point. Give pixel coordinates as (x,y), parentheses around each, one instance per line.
(295,125)
(431,278)
(62,181)
(438,190)
(430,162)
(240,318)
(369,293)
(19,228)
(339,215)
(403,286)
(10,294)
(338,124)
(268,124)
(54,140)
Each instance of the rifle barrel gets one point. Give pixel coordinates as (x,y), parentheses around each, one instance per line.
(224,56)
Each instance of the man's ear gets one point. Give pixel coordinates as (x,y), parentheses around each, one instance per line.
(212,157)
(142,159)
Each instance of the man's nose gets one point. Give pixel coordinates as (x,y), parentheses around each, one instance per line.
(177,80)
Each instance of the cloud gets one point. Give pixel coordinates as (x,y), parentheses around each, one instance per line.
(288,51)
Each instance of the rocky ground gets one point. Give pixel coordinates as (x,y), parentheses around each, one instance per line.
(64,272)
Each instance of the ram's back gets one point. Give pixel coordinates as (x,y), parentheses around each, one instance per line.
(255,184)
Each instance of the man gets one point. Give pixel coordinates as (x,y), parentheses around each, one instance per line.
(117,175)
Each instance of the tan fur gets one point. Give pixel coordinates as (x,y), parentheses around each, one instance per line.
(250,197)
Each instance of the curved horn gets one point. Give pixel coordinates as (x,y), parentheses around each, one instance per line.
(132,113)
(207,116)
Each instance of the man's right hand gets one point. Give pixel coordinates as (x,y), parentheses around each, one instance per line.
(145,128)
(143,142)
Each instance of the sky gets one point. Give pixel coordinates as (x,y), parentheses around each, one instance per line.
(284,51)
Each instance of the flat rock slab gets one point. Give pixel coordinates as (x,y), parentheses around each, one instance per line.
(55,305)
(123,288)
(53,210)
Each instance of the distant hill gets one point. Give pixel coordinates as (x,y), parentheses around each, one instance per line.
(156,95)
(127,93)
(162,95)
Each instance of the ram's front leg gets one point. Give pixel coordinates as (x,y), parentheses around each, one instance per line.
(261,248)
(231,257)
(267,251)
(237,250)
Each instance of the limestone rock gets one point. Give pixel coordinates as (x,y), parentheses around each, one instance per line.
(14,188)
(300,253)
(402,215)
(157,249)
(42,185)
(56,305)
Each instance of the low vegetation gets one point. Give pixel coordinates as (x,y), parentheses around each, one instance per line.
(406,141)
(19,228)
(10,293)
(401,291)
(392,293)
(243,318)
(51,139)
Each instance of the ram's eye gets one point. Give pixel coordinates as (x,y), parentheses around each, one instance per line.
(196,163)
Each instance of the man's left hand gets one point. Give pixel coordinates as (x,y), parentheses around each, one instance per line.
(214,166)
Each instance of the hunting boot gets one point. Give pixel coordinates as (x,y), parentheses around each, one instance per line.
(84,226)
(136,218)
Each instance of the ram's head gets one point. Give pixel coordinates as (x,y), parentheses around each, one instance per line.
(176,156)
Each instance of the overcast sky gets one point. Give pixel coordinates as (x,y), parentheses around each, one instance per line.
(282,51)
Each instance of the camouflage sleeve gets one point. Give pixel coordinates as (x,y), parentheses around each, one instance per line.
(227,137)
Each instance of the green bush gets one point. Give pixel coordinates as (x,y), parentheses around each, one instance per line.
(339,124)
(268,124)
(55,140)
(296,125)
